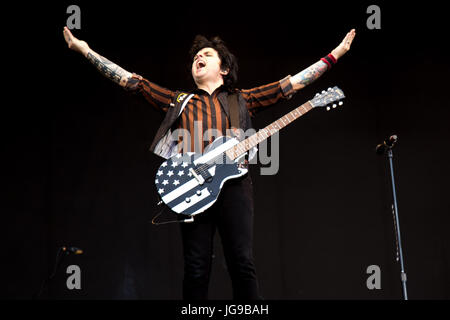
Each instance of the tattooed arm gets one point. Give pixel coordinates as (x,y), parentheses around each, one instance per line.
(312,73)
(106,67)
(309,75)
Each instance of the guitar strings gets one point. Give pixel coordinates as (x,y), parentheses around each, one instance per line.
(202,168)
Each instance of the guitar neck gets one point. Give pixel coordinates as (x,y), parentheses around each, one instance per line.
(245,145)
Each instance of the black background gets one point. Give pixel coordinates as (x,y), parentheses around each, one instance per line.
(78,171)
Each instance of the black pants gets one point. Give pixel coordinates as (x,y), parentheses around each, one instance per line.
(232,215)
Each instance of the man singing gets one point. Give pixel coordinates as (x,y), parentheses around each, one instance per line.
(214,71)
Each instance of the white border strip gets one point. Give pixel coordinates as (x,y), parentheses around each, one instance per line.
(180,191)
(194,199)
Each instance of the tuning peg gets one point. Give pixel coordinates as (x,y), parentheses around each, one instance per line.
(328,108)
(329,89)
(334,105)
(317,94)
(323,91)
(340,103)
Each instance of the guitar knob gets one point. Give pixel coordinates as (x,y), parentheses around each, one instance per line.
(329,89)
(323,91)
(188,200)
(199,192)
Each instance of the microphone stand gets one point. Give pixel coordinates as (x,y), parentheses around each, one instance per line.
(397,226)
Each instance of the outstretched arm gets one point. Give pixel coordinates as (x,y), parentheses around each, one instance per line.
(106,67)
(312,73)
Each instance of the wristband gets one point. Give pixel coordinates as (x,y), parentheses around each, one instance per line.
(330,60)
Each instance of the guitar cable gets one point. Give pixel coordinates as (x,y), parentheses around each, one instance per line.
(189,220)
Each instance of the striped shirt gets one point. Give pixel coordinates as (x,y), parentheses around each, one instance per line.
(203,118)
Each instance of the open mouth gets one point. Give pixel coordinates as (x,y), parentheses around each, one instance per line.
(201,64)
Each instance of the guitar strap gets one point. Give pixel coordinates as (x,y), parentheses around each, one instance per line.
(233,103)
(166,147)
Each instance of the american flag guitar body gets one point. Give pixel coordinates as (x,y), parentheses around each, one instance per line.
(190,183)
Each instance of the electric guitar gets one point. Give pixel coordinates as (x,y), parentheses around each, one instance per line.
(190,183)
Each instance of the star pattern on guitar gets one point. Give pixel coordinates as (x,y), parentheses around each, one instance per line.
(171,174)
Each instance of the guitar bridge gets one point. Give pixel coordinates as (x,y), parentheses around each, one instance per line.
(196,176)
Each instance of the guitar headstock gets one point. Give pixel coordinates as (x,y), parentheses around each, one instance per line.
(325,98)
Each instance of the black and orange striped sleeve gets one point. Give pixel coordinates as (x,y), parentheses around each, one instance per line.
(156,95)
(268,94)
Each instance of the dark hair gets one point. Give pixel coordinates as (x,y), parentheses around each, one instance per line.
(227,59)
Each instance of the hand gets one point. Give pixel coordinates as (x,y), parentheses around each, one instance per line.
(344,46)
(74,43)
